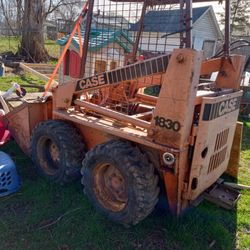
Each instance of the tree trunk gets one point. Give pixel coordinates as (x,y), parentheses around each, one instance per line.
(32,45)
(19,16)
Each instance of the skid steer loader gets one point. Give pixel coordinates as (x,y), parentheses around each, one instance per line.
(100,123)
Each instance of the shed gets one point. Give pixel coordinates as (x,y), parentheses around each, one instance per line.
(106,51)
(161,30)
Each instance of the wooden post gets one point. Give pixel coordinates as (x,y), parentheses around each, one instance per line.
(233,165)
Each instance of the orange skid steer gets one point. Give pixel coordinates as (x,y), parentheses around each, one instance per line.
(125,142)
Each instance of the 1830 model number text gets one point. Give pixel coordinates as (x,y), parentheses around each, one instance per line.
(167,123)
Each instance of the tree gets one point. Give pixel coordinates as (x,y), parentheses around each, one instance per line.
(19,15)
(69,11)
(9,11)
(32,44)
(240,16)
(240,10)
(35,13)
(66,15)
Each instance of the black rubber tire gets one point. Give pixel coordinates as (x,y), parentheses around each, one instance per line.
(138,172)
(71,151)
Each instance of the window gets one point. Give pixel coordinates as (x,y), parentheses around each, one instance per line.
(100,66)
(208,48)
(113,65)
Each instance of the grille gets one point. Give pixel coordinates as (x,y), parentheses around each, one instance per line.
(216,160)
(221,140)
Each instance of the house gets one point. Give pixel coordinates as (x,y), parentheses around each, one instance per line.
(53,29)
(109,21)
(49,29)
(241,30)
(64,26)
(106,51)
(161,31)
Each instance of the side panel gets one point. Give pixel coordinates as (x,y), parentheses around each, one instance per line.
(18,124)
(21,121)
(93,137)
(214,140)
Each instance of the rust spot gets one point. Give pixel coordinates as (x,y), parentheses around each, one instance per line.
(223,73)
(66,100)
(151,132)
(180,58)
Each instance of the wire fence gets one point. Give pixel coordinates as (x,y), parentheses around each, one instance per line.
(114,30)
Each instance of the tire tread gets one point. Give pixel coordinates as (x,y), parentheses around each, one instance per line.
(139,168)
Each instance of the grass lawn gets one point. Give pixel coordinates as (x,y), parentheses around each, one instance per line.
(9,44)
(24,79)
(12,43)
(39,203)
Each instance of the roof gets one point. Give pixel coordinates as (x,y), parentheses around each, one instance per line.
(166,20)
(99,39)
(111,20)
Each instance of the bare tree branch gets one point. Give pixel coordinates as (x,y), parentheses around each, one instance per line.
(235,11)
(7,18)
(53,7)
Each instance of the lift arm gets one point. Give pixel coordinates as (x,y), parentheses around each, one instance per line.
(150,67)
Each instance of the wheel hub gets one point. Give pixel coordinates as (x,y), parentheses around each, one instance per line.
(54,152)
(110,187)
(50,154)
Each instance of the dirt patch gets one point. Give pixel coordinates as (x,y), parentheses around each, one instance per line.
(156,240)
(17,208)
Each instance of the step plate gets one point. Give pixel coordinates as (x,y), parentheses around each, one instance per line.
(222,196)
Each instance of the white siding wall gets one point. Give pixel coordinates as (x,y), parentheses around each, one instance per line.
(204,29)
(153,41)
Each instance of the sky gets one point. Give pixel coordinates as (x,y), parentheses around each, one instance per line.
(217,7)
